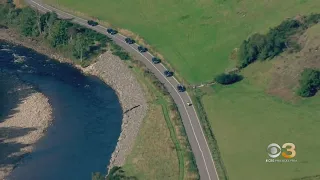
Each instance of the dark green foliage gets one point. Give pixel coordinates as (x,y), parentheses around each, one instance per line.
(81,46)
(273,43)
(312,19)
(83,42)
(116,173)
(309,82)
(28,22)
(59,34)
(226,79)
(118,51)
(46,22)
(122,55)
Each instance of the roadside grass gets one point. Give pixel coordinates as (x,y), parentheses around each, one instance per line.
(196,96)
(160,151)
(153,156)
(195,37)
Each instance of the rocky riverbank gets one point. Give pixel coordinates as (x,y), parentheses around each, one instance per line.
(25,116)
(114,72)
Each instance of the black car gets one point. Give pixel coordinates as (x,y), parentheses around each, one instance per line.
(155,60)
(112,31)
(129,41)
(181,88)
(142,49)
(168,73)
(92,23)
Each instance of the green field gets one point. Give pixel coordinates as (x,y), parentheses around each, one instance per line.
(195,37)
(243,137)
(263,109)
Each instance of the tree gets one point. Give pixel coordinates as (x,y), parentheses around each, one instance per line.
(28,25)
(47,20)
(309,82)
(226,79)
(81,46)
(273,43)
(59,33)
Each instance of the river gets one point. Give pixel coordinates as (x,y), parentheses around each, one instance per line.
(86,118)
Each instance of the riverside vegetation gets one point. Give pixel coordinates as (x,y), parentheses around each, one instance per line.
(60,35)
(76,42)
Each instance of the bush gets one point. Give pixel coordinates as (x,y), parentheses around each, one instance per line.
(226,79)
(118,51)
(122,55)
(309,82)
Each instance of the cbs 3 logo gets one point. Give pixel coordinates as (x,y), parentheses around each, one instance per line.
(274,150)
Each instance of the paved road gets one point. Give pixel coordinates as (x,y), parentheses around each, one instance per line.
(189,116)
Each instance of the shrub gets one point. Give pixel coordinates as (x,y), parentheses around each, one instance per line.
(226,79)
(309,82)
(122,55)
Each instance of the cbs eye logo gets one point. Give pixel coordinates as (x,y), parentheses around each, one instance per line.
(274,150)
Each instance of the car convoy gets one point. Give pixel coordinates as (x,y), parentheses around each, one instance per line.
(142,49)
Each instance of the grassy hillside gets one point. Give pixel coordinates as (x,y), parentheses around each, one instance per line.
(196,37)
(264,108)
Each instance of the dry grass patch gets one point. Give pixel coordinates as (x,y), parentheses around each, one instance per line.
(154,156)
(19,3)
(287,68)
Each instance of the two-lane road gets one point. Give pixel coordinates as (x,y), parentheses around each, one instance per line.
(189,116)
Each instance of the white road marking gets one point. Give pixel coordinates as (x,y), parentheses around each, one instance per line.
(168,82)
(122,35)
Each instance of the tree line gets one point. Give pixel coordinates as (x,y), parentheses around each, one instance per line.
(279,38)
(76,41)
(267,46)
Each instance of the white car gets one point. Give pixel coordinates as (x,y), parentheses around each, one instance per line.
(189,104)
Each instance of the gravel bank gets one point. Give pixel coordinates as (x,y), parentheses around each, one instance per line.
(114,72)
(26,114)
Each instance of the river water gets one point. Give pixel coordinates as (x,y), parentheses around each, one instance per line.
(86,118)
